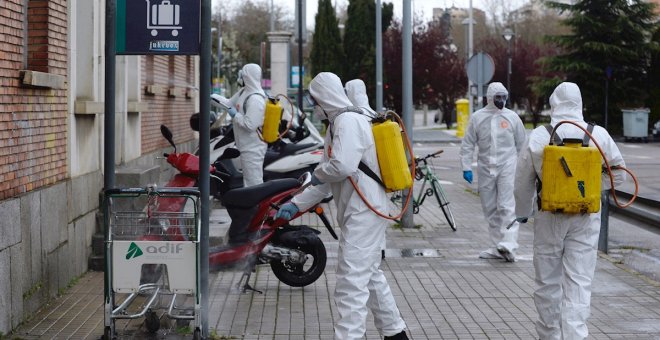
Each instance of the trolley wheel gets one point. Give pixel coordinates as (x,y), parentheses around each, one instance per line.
(107,334)
(197,334)
(296,275)
(152,322)
(182,323)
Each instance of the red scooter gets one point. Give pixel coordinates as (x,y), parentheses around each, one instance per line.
(296,254)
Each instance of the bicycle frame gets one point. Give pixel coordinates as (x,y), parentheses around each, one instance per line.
(423,173)
(427,176)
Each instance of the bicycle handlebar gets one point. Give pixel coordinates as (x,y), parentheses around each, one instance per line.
(431,155)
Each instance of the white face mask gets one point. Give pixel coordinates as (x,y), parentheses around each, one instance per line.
(240,80)
(319,113)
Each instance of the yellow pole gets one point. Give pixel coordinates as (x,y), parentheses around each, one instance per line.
(462,116)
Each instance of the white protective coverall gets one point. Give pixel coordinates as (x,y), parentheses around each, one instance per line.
(500,135)
(246,123)
(564,244)
(360,282)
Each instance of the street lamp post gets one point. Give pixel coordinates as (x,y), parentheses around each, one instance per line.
(218,70)
(468,23)
(508,36)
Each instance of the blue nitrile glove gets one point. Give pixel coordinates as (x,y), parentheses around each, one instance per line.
(314,180)
(232,112)
(287,211)
(467,175)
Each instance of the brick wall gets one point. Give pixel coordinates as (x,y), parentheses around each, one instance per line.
(173,111)
(33,124)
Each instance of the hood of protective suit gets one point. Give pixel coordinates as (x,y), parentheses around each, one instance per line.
(252,78)
(328,92)
(357,93)
(566,103)
(493,89)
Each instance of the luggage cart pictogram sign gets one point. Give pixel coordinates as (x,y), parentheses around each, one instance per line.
(163,16)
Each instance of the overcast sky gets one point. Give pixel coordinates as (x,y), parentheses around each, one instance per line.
(419,7)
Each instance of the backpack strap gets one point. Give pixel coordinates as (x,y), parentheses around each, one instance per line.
(557,140)
(585,140)
(351,109)
(539,185)
(248,97)
(367,170)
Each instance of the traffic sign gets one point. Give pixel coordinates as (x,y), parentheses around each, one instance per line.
(480,68)
(158,27)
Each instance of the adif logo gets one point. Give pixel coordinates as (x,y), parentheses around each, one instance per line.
(133,251)
(167,248)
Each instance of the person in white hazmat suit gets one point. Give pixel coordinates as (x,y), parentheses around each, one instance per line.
(499,135)
(361,284)
(246,108)
(565,245)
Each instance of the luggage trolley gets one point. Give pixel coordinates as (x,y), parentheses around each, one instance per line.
(152,255)
(163,16)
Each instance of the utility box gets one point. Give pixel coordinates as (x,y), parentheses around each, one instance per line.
(635,123)
(462,116)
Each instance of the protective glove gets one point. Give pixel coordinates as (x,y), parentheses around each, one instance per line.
(287,211)
(232,112)
(221,100)
(467,175)
(314,180)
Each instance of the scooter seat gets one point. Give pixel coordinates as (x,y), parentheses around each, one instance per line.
(285,149)
(251,196)
(290,149)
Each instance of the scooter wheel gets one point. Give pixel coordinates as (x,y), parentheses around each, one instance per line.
(152,322)
(296,275)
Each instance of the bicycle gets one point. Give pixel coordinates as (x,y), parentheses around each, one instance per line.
(423,173)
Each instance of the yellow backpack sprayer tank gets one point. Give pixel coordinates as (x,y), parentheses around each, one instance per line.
(394,168)
(571,180)
(272,118)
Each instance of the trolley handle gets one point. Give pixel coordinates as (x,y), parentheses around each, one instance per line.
(152,190)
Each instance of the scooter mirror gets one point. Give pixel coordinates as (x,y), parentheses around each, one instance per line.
(168,135)
(305,178)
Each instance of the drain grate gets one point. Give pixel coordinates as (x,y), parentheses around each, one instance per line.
(410,252)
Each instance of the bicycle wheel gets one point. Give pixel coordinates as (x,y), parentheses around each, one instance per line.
(444,203)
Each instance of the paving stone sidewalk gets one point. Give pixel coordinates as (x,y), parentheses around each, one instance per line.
(447,293)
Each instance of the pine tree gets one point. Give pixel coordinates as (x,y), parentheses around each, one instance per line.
(610,41)
(360,41)
(327,54)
